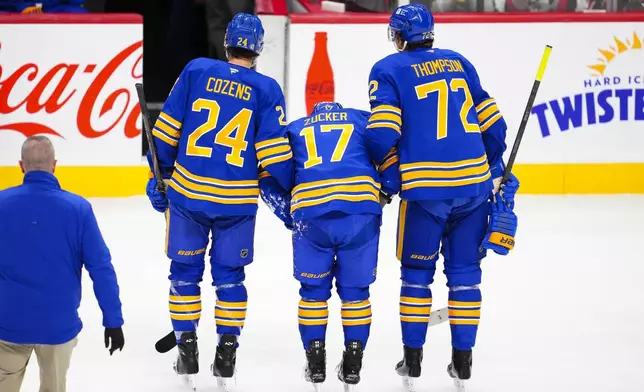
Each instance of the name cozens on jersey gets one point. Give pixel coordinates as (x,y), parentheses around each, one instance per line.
(328,116)
(437,66)
(228,87)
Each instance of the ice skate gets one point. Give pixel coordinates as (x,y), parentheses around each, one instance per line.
(409,367)
(315,370)
(187,363)
(461,368)
(225,359)
(349,368)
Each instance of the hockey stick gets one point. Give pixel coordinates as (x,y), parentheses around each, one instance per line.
(526,113)
(147,128)
(169,341)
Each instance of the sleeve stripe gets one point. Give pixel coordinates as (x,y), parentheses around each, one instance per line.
(391,153)
(483,104)
(264,174)
(161,126)
(268,142)
(487,113)
(170,120)
(273,151)
(386,108)
(162,136)
(388,163)
(395,127)
(386,117)
(276,159)
(490,122)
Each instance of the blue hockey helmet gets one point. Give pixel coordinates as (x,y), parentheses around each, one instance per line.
(326,107)
(413,23)
(245,31)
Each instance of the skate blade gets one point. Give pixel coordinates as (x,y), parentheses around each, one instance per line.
(189,381)
(349,387)
(317,386)
(409,384)
(223,384)
(459,385)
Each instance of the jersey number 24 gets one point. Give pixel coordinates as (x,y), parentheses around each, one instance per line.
(231,135)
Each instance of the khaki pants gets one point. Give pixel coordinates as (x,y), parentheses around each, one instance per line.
(53,361)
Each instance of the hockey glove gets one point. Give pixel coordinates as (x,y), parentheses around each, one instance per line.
(158,199)
(116,338)
(509,190)
(501,229)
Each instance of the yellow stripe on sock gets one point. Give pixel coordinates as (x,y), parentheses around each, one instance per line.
(421,311)
(464,313)
(350,323)
(229,323)
(464,321)
(313,313)
(184,317)
(465,304)
(232,305)
(240,314)
(185,308)
(414,319)
(312,322)
(176,298)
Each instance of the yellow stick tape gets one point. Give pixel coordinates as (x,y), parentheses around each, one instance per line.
(544,62)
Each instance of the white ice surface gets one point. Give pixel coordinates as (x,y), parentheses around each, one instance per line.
(563,312)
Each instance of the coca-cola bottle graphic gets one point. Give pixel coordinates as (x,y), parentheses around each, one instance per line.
(319,79)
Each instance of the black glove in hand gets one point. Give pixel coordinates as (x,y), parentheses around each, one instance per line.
(115,336)
(384,199)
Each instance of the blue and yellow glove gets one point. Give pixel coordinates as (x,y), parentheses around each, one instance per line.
(501,229)
(158,199)
(509,190)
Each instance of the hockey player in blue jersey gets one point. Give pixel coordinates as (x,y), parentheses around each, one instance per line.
(219,122)
(336,224)
(450,136)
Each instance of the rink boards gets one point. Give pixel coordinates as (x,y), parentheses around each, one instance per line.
(77,86)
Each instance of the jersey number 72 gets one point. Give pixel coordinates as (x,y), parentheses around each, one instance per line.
(443,90)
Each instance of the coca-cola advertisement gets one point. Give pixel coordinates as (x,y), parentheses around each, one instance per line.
(75,84)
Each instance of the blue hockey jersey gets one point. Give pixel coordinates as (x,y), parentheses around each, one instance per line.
(219,122)
(449,132)
(333,169)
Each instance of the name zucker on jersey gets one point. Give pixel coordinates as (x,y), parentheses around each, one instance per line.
(60,96)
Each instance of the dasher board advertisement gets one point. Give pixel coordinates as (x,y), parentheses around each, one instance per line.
(71,78)
(585,133)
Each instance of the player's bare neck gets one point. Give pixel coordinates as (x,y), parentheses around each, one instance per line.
(241,62)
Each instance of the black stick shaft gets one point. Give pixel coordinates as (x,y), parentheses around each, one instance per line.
(147,128)
(526,113)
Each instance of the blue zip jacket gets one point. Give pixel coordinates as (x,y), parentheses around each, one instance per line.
(47,235)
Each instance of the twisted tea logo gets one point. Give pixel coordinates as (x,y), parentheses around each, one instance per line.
(244,253)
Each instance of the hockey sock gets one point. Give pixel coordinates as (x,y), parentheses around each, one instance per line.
(415,307)
(356,321)
(313,317)
(185,306)
(464,315)
(230,309)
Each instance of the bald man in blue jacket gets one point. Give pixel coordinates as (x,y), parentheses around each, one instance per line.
(47,235)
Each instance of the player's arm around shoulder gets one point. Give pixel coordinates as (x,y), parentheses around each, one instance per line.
(96,258)
(385,120)
(271,141)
